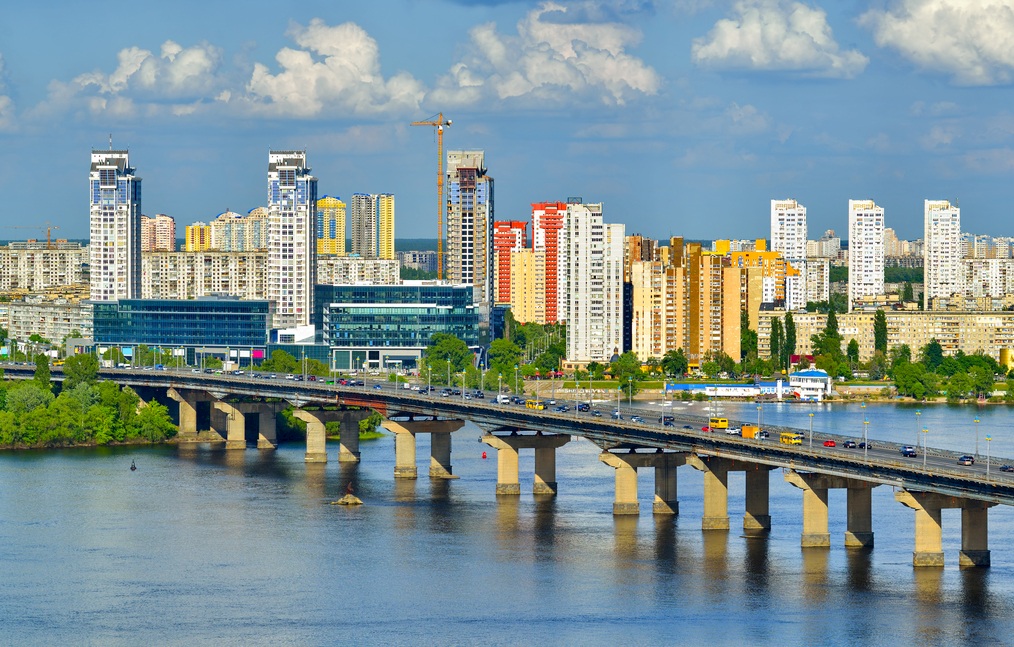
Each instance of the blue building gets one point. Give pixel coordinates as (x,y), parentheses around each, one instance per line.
(389,326)
(226,327)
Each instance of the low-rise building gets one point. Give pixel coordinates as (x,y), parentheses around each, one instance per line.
(349,270)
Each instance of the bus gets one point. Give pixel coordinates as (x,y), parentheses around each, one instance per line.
(718,423)
(791,438)
(535,404)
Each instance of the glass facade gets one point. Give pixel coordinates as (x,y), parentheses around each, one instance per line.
(209,321)
(394,316)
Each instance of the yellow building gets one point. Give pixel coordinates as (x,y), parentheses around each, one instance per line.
(330,226)
(528,285)
(385,218)
(198,237)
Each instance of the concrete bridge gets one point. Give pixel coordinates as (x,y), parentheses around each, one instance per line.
(927,486)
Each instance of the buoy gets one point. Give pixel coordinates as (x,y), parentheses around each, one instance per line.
(133,468)
(484,454)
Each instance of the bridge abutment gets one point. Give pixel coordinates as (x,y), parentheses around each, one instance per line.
(440,446)
(508,447)
(665,464)
(929,551)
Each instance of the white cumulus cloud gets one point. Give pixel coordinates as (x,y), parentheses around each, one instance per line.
(335,70)
(552,60)
(970,40)
(777,35)
(6,103)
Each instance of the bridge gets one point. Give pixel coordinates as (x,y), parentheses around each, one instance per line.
(927,485)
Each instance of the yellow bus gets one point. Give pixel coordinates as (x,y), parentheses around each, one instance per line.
(718,423)
(535,404)
(791,438)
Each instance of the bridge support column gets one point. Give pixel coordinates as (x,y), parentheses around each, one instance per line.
(440,456)
(545,471)
(758,486)
(348,442)
(859,532)
(508,481)
(404,450)
(814,487)
(235,425)
(974,536)
(267,429)
(626,465)
(187,415)
(508,448)
(716,490)
(316,436)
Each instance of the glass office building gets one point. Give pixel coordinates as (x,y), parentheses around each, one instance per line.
(388,326)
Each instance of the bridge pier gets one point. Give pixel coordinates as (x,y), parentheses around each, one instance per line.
(508,481)
(929,529)
(316,436)
(235,425)
(716,492)
(440,446)
(665,464)
(187,400)
(859,532)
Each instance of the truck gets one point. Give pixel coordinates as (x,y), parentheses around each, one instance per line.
(750,431)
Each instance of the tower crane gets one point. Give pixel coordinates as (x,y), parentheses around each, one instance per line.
(48,227)
(439,123)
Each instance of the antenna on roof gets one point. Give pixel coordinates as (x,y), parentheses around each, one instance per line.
(110,141)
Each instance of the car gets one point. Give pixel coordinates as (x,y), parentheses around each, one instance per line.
(830,443)
(209,370)
(734,431)
(312,378)
(668,423)
(908,451)
(665,419)
(762,435)
(1007,468)
(705,428)
(195,370)
(849,444)
(688,426)
(967,459)
(479,395)
(583,406)
(616,415)
(865,445)
(636,419)
(378,387)
(596,413)
(298,378)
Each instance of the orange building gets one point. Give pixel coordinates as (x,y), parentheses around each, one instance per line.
(547,222)
(508,235)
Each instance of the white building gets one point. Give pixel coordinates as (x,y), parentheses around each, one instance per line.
(189,275)
(292,239)
(36,266)
(818,279)
(591,284)
(942,250)
(234,232)
(51,319)
(866,250)
(115,227)
(351,270)
(364,225)
(788,236)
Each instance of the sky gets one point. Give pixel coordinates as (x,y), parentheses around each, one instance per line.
(683,117)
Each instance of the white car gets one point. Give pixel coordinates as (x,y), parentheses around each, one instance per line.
(734,431)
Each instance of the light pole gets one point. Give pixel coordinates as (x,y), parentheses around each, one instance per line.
(758,416)
(448,373)
(618,389)
(988,438)
(515,378)
(866,438)
(811,431)
(462,386)
(862,406)
(917,414)
(976,421)
(924,432)
(630,392)
(429,379)
(499,387)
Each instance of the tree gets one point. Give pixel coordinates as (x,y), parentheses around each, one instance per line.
(878,366)
(627,369)
(80,369)
(958,387)
(747,337)
(279,362)
(776,342)
(853,351)
(982,381)
(26,397)
(880,331)
(907,293)
(789,342)
(42,374)
(504,354)
(449,348)
(675,363)
(154,423)
(932,355)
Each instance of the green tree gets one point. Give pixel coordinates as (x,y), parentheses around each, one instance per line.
(880,331)
(28,396)
(675,363)
(1008,395)
(596,370)
(982,381)
(907,294)
(932,355)
(852,353)
(80,369)
(504,355)
(154,423)
(789,343)
(42,374)
(627,369)
(776,342)
(958,387)
(450,349)
(281,362)
(878,367)
(747,337)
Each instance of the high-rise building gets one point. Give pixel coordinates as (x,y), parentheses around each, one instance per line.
(198,237)
(866,250)
(527,298)
(508,236)
(469,217)
(158,234)
(234,232)
(115,227)
(941,250)
(591,284)
(385,226)
(331,226)
(788,236)
(547,223)
(364,225)
(292,240)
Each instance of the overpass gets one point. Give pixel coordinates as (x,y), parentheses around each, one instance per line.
(927,485)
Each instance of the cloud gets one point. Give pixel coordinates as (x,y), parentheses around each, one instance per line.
(557,57)
(173,81)
(6,103)
(777,35)
(335,70)
(970,40)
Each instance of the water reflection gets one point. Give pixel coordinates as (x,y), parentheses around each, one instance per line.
(715,563)
(625,539)
(815,575)
(545,525)
(756,564)
(860,569)
(315,478)
(930,625)
(665,542)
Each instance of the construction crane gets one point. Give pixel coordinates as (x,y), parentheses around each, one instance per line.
(438,122)
(48,227)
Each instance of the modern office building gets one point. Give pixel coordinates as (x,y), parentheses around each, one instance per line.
(331,226)
(387,326)
(115,226)
(508,236)
(208,325)
(469,217)
(364,225)
(158,234)
(547,223)
(866,250)
(292,240)
(941,250)
(591,284)
(385,226)
(788,236)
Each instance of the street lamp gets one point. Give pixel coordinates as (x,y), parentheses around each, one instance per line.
(618,390)
(462,386)
(917,414)
(924,432)
(499,387)
(811,431)
(515,378)
(866,438)
(758,416)
(976,421)
(988,438)
(630,392)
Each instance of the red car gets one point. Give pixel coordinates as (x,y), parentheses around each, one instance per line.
(705,429)
(830,443)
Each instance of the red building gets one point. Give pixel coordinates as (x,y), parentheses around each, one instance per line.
(507,235)
(547,221)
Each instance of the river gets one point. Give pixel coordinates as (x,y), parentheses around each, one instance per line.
(205,546)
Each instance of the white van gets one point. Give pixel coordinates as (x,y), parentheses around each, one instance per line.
(503,399)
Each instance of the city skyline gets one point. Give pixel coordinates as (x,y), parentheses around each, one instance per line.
(721,106)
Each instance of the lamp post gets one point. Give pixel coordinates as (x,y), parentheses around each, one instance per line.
(618,389)
(462,386)
(758,416)
(429,379)
(866,438)
(976,421)
(924,432)
(917,414)
(630,392)
(448,373)
(988,438)
(811,431)
(515,378)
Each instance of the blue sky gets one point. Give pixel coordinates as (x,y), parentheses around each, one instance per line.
(684,117)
